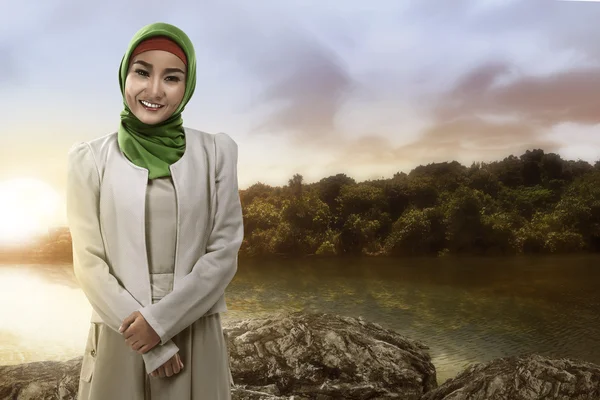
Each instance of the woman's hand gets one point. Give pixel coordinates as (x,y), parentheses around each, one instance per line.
(170,368)
(139,335)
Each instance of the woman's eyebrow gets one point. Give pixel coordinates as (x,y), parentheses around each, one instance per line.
(170,70)
(167,70)
(144,63)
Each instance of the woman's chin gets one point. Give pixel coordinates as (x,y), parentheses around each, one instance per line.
(149,119)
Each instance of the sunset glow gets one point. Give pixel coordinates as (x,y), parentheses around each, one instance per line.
(26,208)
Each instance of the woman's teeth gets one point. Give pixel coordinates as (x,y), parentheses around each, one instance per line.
(150,105)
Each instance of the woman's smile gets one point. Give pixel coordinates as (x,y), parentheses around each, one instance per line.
(151,106)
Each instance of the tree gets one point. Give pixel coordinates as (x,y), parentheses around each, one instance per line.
(532,171)
(295,185)
(330,188)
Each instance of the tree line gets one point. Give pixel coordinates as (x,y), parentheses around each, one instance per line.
(535,203)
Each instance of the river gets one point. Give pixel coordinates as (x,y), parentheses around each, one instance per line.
(465,309)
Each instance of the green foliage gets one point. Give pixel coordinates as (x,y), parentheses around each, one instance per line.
(535,203)
(564,242)
(526,199)
(257,190)
(423,192)
(326,249)
(483,179)
(357,199)
(499,233)
(447,176)
(463,211)
(261,214)
(329,189)
(410,235)
(358,233)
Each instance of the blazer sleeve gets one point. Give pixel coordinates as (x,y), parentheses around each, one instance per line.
(106,295)
(199,290)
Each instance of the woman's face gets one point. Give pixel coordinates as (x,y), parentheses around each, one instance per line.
(155,85)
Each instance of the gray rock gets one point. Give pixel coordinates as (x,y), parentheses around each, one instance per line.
(325,356)
(526,377)
(46,380)
(298,356)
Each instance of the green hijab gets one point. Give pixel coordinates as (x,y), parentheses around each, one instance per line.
(155,147)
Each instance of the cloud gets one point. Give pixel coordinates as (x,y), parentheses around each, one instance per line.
(478,136)
(466,139)
(310,93)
(490,112)
(567,96)
(309,84)
(482,114)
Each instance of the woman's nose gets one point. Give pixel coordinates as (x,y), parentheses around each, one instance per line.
(155,88)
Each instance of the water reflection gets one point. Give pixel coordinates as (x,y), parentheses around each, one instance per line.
(466,310)
(44,315)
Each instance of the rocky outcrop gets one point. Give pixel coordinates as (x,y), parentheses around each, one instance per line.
(40,380)
(322,356)
(527,377)
(327,357)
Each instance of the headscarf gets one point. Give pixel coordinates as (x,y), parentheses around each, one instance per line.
(155,147)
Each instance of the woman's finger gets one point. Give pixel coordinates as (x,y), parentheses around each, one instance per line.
(144,349)
(176,367)
(168,369)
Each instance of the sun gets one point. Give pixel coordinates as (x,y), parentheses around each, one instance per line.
(27,207)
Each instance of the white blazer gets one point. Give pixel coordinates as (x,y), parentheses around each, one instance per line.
(106,215)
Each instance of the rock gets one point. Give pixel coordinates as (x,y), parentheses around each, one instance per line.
(325,356)
(525,377)
(40,380)
(298,356)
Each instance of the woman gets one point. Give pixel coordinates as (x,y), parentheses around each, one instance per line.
(156,226)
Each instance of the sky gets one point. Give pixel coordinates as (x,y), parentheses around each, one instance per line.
(365,88)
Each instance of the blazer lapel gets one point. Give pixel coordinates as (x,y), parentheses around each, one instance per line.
(122,211)
(193,188)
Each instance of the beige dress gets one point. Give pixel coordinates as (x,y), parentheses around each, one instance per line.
(119,372)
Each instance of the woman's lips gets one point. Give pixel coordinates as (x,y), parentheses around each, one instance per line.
(151,108)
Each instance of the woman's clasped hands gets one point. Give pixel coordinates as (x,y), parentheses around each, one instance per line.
(141,337)
(138,333)
(173,366)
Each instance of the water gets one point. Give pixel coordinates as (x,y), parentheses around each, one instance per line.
(466,310)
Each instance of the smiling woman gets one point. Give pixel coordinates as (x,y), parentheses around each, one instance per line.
(27,207)
(156,224)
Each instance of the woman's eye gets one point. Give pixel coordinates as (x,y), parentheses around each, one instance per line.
(173,78)
(141,72)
